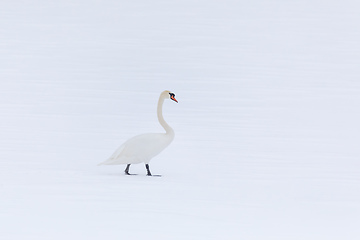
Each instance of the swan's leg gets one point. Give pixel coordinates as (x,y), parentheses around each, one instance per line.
(127,170)
(148,169)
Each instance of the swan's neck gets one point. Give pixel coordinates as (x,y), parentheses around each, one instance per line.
(164,124)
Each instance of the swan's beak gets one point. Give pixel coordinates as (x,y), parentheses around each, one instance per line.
(173,98)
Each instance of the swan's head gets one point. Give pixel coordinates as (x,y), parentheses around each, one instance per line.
(170,95)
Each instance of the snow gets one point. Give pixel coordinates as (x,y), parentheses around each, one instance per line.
(266,128)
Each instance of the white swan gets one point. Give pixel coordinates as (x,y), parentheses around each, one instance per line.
(144,147)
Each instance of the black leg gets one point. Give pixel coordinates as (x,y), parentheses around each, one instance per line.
(127,170)
(148,169)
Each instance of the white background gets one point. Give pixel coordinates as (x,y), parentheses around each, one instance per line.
(267,124)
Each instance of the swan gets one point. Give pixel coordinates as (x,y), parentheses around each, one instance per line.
(142,148)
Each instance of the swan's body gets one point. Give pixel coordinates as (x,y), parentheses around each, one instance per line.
(144,147)
(140,149)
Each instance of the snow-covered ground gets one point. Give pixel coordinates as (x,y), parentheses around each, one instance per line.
(267,125)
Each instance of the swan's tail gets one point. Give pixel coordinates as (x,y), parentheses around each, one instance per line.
(115,158)
(109,161)
(102,163)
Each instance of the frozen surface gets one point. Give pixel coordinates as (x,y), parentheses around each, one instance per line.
(267,125)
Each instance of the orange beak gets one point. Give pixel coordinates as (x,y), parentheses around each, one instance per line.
(173,98)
